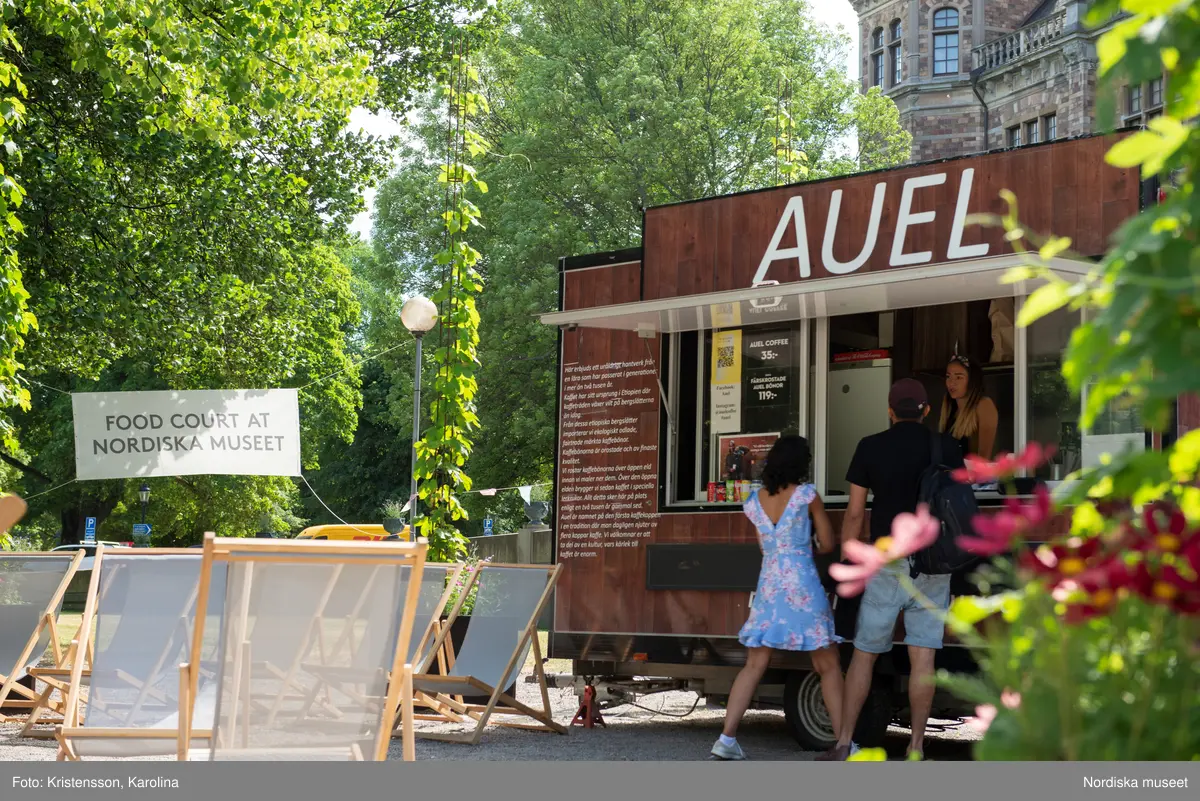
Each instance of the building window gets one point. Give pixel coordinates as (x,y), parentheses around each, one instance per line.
(877,58)
(1143,102)
(945,42)
(896,50)
(1050,127)
(1031,132)
(1014,136)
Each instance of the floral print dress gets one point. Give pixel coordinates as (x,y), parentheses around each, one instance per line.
(790,609)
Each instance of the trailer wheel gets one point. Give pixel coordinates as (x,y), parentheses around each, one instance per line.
(805,712)
(808,719)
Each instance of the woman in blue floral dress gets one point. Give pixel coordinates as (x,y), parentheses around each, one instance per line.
(790,610)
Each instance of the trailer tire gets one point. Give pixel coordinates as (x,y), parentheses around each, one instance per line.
(805,712)
(808,720)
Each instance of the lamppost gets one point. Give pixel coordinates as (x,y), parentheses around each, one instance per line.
(419,315)
(144,497)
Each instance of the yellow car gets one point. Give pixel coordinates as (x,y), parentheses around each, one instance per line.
(353,531)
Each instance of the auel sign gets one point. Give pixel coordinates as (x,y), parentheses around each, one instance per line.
(794,221)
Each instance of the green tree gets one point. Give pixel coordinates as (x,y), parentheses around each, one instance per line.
(598,110)
(180,166)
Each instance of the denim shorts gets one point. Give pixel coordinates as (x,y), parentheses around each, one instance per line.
(885,598)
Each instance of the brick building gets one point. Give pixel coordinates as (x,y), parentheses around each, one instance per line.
(975,75)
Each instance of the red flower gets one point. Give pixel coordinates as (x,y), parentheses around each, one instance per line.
(1174,583)
(997,531)
(980,471)
(1165,530)
(1066,560)
(1095,591)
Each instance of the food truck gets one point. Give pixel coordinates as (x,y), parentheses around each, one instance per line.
(791,310)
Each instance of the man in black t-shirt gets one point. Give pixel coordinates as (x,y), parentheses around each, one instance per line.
(889,465)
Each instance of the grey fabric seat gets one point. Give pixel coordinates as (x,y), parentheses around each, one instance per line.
(143,619)
(32,586)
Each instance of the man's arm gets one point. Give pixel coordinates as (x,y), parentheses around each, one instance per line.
(859,478)
(856,512)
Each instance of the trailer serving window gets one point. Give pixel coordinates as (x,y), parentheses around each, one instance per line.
(733,391)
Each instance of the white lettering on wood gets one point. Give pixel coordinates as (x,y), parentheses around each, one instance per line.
(793,218)
(907,218)
(956,249)
(793,211)
(835,206)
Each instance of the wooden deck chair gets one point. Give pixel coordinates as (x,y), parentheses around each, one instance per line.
(242,729)
(297,626)
(32,587)
(503,629)
(436,585)
(141,608)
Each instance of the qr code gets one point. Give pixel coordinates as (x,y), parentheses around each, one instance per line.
(725,357)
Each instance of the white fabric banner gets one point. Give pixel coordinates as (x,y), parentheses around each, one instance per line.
(239,432)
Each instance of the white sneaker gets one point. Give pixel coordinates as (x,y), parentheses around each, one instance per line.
(728,752)
(854,748)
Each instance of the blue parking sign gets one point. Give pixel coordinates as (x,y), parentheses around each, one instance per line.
(487,527)
(89,530)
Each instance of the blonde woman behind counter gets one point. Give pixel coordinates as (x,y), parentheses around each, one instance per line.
(967,414)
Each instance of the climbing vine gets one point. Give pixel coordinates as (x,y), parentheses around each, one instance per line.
(791,165)
(445,446)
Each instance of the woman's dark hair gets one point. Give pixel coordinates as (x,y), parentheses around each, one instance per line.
(787,463)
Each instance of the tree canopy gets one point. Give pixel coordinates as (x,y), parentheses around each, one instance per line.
(598,110)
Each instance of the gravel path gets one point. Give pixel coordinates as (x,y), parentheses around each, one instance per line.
(633,734)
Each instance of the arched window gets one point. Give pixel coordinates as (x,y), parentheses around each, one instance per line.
(945,42)
(895,51)
(877,60)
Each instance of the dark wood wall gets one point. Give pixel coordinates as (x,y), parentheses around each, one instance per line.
(1064,188)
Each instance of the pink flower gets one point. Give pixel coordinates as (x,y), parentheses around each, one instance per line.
(997,532)
(852,579)
(910,533)
(986,713)
(980,471)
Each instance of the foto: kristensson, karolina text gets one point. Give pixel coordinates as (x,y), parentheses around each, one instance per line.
(1127,781)
(77,783)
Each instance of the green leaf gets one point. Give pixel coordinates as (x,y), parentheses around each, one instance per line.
(1044,300)
(868,755)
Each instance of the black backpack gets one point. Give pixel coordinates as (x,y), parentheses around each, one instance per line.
(954,506)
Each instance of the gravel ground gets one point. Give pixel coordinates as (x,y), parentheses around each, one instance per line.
(632,734)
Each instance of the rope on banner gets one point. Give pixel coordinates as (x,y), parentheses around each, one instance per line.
(351,367)
(304,478)
(52,489)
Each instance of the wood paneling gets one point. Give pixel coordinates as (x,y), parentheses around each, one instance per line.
(1063,188)
(601,286)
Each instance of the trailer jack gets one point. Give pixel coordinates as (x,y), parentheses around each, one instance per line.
(589,710)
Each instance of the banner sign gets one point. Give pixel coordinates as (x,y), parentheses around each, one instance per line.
(240,432)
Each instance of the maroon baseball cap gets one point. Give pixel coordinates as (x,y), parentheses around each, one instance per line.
(908,397)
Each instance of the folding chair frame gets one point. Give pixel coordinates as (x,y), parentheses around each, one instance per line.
(449,709)
(432,629)
(255,551)
(71,728)
(30,699)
